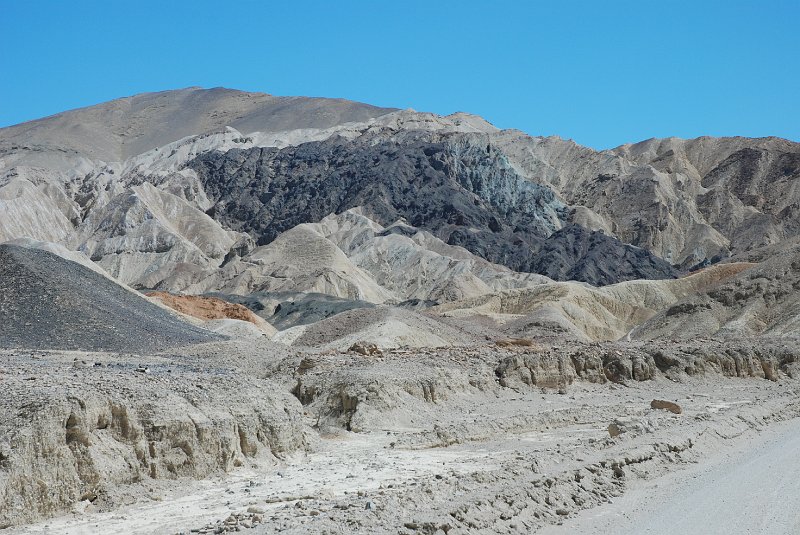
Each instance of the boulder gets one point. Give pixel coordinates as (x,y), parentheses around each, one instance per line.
(666,405)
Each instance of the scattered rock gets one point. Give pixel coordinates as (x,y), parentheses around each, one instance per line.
(666,405)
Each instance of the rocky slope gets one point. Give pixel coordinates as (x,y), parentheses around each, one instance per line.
(126,127)
(764,300)
(48,302)
(383,327)
(688,201)
(212,310)
(88,433)
(452,185)
(582,312)
(289,309)
(352,256)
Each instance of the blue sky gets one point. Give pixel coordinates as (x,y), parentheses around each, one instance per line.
(601,73)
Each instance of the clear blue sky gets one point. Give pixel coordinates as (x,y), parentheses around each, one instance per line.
(601,73)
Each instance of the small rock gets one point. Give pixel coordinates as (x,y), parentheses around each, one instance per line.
(666,405)
(255,510)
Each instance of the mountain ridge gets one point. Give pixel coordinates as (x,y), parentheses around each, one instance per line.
(534,204)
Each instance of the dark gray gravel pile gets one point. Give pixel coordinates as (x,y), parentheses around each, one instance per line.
(48,302)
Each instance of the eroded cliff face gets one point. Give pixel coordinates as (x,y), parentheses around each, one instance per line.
(400,388)
(83,431)
(763,300)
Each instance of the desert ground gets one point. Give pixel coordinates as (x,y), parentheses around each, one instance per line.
(481,439)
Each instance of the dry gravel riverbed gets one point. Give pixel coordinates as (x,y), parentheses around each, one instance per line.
(507,463)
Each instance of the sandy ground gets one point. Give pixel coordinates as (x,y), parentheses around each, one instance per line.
(752,488)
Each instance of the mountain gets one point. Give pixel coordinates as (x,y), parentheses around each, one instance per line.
(450,184)
(120,129)
(690,202)
(204,191)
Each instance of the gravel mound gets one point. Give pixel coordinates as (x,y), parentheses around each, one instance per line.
(47,302)
(290,309)
(386,327)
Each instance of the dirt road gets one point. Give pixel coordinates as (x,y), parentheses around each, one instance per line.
(752,490)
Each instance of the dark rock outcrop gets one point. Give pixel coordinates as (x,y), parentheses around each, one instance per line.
(449,185)
(289,309)
(575,253)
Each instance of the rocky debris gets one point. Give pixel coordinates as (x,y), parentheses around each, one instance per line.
(670,406)
(48,302)
(521,342)
(614,430)
(633,426)
(233,523)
